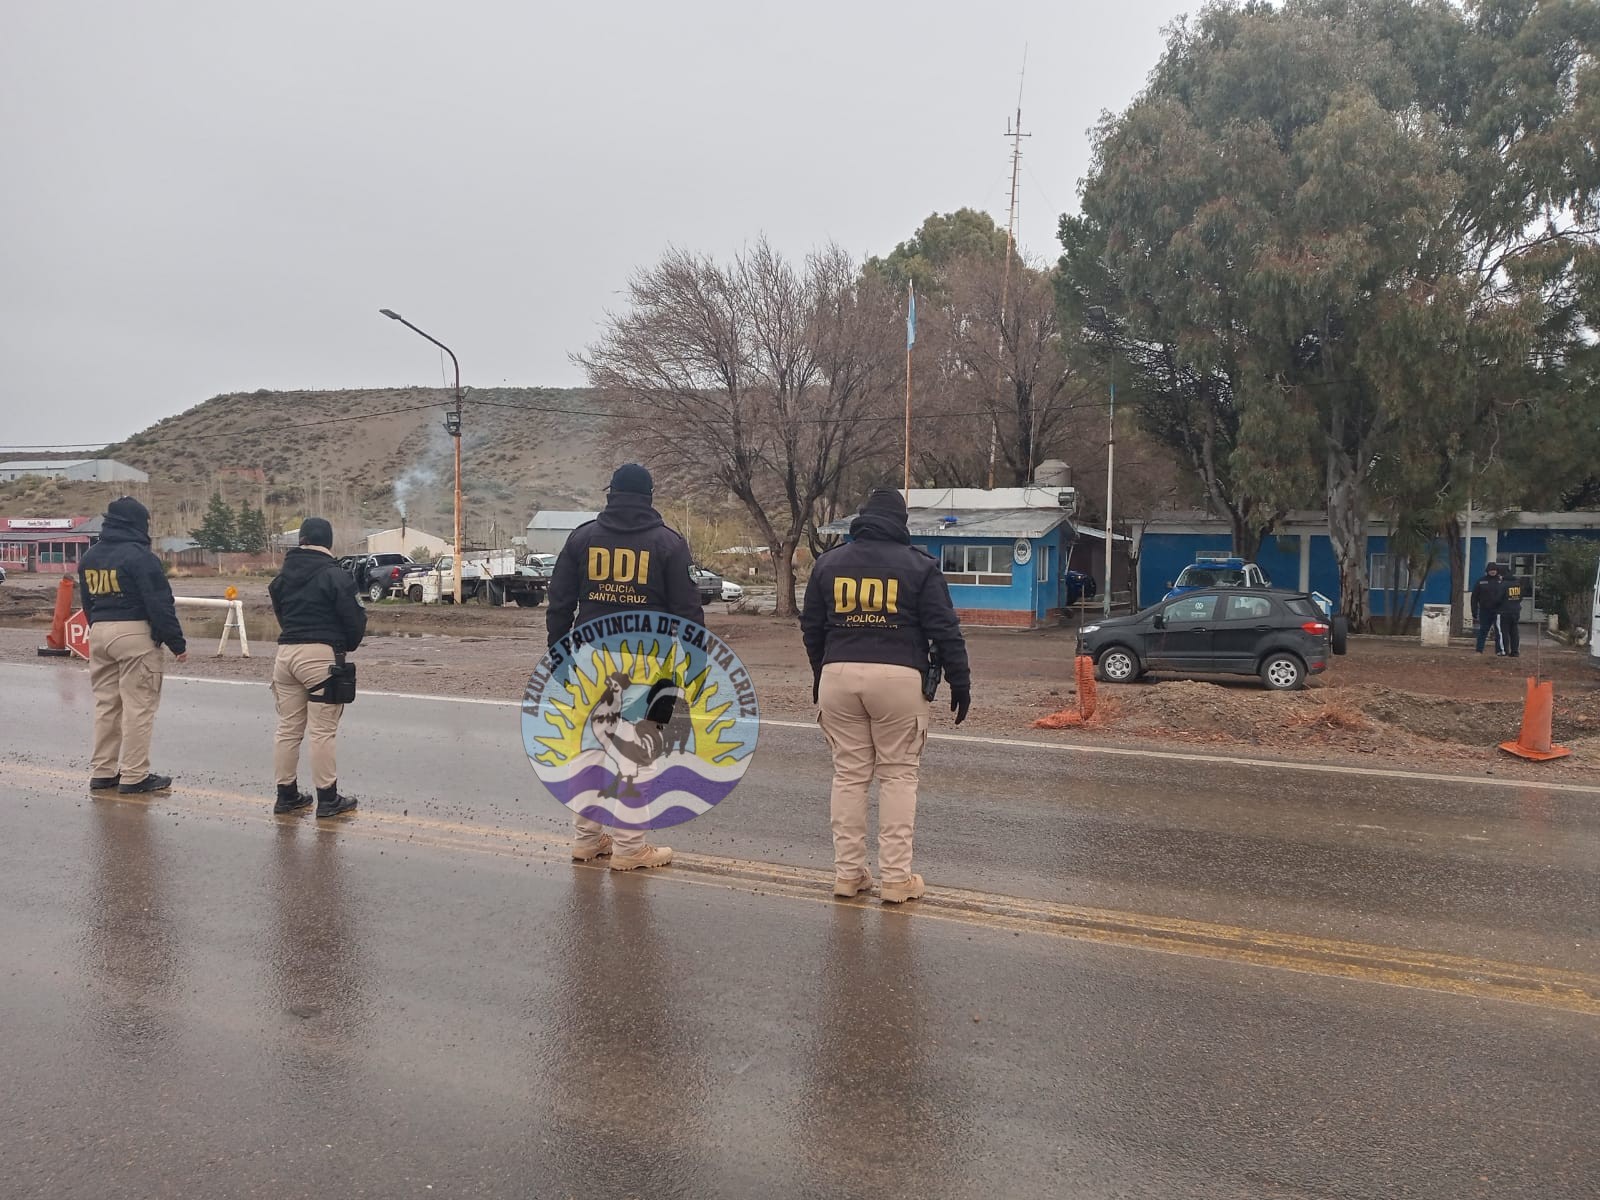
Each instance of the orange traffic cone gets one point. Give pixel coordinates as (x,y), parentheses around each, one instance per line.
(55,642)
(1534,740)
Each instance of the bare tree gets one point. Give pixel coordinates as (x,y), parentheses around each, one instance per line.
(997,364)
(754,379)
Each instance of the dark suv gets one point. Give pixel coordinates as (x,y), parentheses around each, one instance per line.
(1281,636)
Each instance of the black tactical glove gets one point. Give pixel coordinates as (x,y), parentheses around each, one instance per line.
(816,686)
(960,701)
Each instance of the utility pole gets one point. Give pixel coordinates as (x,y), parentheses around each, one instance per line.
(1013,132)
(452,426)
(1111,467)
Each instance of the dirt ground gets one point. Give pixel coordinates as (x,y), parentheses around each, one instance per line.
(1388,701)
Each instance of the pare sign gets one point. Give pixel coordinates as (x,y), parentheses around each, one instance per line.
(77,634)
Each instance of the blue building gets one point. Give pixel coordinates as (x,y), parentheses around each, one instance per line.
(1005,551)
(1299,554)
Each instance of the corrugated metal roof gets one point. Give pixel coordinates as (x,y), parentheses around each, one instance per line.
(555,518)
(973,523)
(54,464)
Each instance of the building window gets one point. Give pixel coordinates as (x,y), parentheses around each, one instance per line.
(983,566)
(1378,568)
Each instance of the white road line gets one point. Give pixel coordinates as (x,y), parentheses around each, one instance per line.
(1182,756)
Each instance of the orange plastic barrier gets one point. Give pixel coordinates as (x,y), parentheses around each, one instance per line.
(55,642)
(1088,699)
(1538,710)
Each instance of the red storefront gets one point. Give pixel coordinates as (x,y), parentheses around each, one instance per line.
(46,545)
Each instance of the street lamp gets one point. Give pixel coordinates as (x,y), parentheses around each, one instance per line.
(452,425)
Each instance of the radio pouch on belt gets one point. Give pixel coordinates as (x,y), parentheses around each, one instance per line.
(340,685)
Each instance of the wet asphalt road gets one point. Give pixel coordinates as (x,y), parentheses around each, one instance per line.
(1183,994)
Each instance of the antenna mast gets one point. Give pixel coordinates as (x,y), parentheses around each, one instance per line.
(1015,134)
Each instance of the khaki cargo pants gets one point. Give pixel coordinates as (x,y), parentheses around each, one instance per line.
(125,670)
(876,722)
(296,669)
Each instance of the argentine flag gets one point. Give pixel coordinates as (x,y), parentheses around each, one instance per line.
(911,314)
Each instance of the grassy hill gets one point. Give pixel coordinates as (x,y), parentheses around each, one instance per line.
(361,458)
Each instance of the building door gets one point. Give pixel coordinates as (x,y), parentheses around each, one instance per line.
(1526,567)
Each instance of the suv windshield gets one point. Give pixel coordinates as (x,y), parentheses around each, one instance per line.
(1210,577)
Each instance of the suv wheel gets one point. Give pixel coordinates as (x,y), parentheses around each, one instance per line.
(1283,672)
(1118,665)
(375,592)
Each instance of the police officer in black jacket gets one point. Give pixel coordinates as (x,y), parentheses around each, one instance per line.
(873,607)
(1510,614)
(320,620)
(128,603)
(1487,596)
(625,560)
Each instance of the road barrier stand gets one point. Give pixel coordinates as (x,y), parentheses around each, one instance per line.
(55,642)
(1538,711)
(233,624)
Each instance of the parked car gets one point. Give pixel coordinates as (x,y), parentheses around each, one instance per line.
(709,583)
(1217,572)
(1079,585)
(379,575)
(541,564)
(731,590)
(1279,635)
(2,574)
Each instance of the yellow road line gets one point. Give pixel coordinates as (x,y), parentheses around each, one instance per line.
(1452,974)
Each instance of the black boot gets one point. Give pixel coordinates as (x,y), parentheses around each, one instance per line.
(290,798)
(331,804)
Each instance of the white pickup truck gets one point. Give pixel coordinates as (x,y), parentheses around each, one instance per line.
(488,576)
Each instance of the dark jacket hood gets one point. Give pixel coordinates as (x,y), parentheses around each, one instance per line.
(880,526)
(628,512)
(126,520)
(302,562)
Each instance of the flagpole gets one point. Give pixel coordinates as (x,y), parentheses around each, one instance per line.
(911,337)
(908,419)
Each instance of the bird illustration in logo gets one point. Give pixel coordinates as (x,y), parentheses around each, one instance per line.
(635,745)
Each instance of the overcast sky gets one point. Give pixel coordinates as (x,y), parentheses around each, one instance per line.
(202,197)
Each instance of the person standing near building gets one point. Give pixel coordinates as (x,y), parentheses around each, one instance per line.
(873,608)
(1510,615)
(587,583)
(1487,596)
(128,604)
(320,621)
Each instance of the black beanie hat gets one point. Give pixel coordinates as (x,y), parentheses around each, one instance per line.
(130,512)
(316,531)
(885,500)
(631,477)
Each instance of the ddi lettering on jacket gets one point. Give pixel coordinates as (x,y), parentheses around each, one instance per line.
(865,600)
(102,582)
(617,574)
